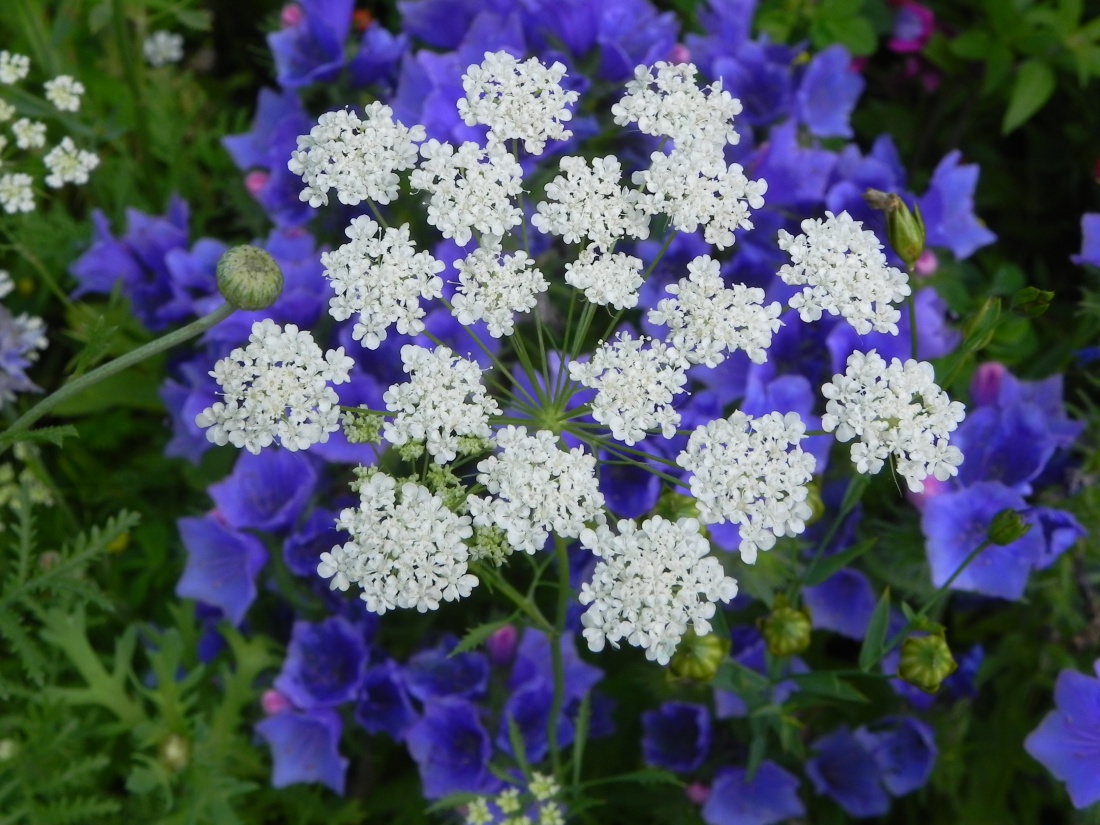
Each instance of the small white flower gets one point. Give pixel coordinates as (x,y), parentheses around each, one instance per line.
(29,134)
(7,111)
(609,279)
(162,48)
(6,283)
(64,93)
(652,583)
(67,164)
(13,67)
(493,287)
(16,194)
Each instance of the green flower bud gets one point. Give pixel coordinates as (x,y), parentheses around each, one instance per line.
(249,278)
(697,658)
(926,661)
(904,229)
(786,630)
(1007,526)
(675,506)
(982,325)
(1031,302)
(813,499)
(174,752)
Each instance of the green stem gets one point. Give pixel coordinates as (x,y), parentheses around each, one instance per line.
(564,591)
(514,596)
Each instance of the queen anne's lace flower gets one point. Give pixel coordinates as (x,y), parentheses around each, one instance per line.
(442,402)
(521,101)
(162,47)
(591,202)
(652,582)
(536,487)
(29,134)
(16,194)
(896,409)
(493,287)
(706,320)
(275,388)
(13,67)
(609,279)
(845,274)
(381,278)
(634,386)
(360,159)
(406,550)
(745,471)
(7,111)
(64,93)
(471,189)
(67,164)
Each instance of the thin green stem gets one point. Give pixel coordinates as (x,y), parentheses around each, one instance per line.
(484,571)
(557,663)
(857,484)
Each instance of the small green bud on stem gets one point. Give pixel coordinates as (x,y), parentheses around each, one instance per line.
(786,630)
(249,278)
(904,229)
(926,661)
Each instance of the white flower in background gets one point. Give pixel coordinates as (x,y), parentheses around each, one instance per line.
(845,274)
(406,550)
(751,472)
(67,164)
(609,279)
(16,194)
(634,386)
(162,48)
(652,583)
(380,277)
(471,189)
(64,93)
(493,287)
(360,159)
(275,388)
(6,283)
(13,67)
(517,101)
(7,111)
(536,487)
(29,134)
(706,320)
(894,410)
(443,401)
(591,202)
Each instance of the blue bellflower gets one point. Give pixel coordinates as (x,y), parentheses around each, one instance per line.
(384,705)
(452,749)
(1090,240)
(434,673)
(266,491)
(222,566)
(304,748)
(770,797)
(676,736)
(324,663)
(1067,741)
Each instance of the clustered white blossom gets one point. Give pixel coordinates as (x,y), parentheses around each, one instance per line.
(406,550)
(276,388)
(845,273)
(64,93)
(706,320)
(443,401)
(753,473)
(536,487)
(591,202)
(517,101)
(16,194)
(493,287)
(359,158)
(609,279)
(7,111)
(634,386)
(67,164)
(162,48)
(897,410)
(652,582)
(13,67)
(29,134)
(380,277)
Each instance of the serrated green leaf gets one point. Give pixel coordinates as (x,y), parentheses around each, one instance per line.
(476,636)
(826,567)
(875,639)
(824,683)
(1031,90)
(43,435)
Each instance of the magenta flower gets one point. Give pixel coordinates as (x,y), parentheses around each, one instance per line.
(913,26)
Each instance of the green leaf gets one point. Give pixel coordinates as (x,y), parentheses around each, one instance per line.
(853,32)
(50,435)
(736,678)
(824,683)
(125,389)
(971,45)
(647,776)
(875,640)
(1032,89)
(826,567)
(519,747)
(451,801)
(580,737)
(476,636)
(840,8)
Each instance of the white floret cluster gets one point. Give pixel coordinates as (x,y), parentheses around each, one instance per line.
(706,320)
(13,67)
(443,402)
(635,386)
(29,134)
(753,473)
(517,101)
(276,388)
(845,273)
(380,277)
(162,48)
(608,279)
(406,550)
(894,410)
(652,583)
(359,158)
(67,164)
(536,487)
(64,92)
(16,192)
(493,287)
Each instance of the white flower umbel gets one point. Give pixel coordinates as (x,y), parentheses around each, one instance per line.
(64,93)
(443,401)
(493,287)
(845,274)
(591,202)
(751,472)
(471,189)
(536,487)
(380,277)
(517,101)
(29,134)
(275,388)
(13,67)
(16,194)
(7,111)
(706,320)
(894,410)
(652,582)
(694,191)
(162,48)
(360,159)
(608,279)
(634,386)
(406,550)
(67,164)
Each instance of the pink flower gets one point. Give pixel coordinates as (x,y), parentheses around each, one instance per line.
(913,26)
(291,15)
